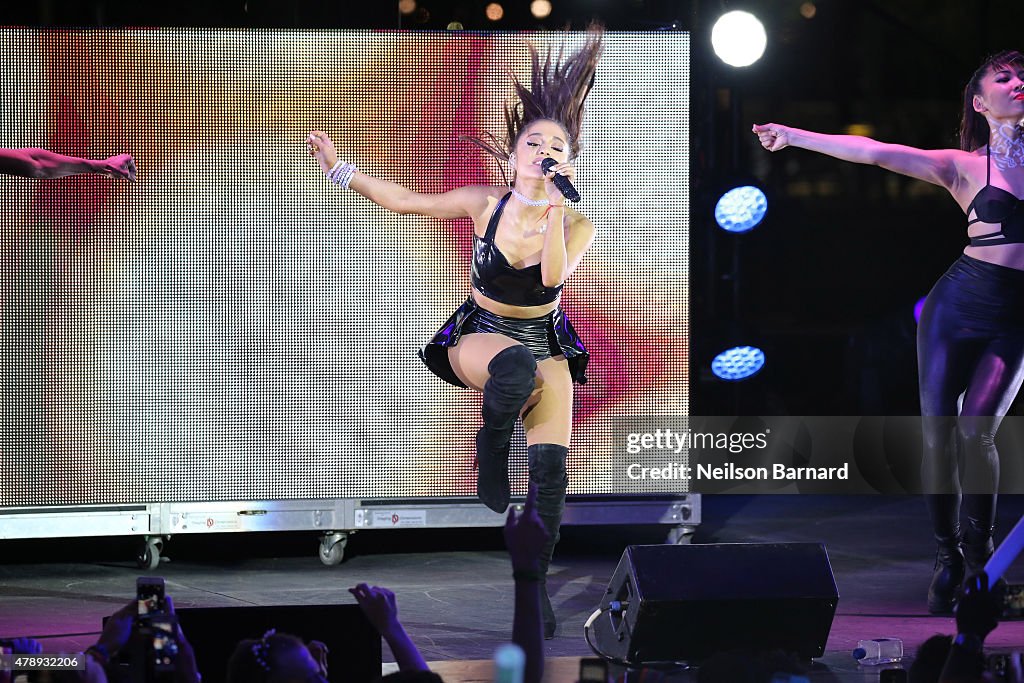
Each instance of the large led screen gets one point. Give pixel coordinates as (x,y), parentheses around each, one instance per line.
(234,327)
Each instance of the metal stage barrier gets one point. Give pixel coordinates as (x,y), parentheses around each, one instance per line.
(335,519)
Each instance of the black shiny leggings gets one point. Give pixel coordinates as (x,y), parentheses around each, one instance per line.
(970,350)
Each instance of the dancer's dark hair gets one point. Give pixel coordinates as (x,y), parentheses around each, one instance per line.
(974,132)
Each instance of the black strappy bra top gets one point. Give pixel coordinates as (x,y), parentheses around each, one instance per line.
(996,205)
(494,277)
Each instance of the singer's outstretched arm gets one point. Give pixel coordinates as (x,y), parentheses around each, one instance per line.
(463,202)
(469,201)
(937,166)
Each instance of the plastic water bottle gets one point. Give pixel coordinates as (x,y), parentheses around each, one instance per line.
(509,664)
(878,651)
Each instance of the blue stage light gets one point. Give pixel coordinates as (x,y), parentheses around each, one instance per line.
(741,209)
(739,362)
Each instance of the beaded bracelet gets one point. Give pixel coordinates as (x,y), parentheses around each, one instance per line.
(342,174)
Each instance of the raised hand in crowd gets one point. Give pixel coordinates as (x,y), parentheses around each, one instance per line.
(121,632)
(977,615)
(380,607)
(525,537)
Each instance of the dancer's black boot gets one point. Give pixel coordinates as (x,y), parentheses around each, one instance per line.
(944,510)
(512,380)
(978,547)
(547,472)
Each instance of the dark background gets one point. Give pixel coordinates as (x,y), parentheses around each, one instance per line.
(828,283)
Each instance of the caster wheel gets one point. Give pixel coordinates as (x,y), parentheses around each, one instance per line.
(680,535)
(148,556)
(332,548)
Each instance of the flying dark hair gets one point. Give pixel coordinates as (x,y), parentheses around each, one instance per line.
(557,91)
(974,130)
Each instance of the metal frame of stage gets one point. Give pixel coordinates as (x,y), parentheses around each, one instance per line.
(335,519)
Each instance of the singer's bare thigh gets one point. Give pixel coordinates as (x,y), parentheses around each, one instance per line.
(471,356)
(547,416)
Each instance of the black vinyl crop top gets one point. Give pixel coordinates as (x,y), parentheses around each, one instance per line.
(996,205)
(494,277)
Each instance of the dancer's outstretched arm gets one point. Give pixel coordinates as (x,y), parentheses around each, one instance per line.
(33,162)
(938,166)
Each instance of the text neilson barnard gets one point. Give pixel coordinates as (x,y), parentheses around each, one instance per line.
(731,472)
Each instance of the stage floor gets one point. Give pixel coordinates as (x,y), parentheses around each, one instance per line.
(454,587)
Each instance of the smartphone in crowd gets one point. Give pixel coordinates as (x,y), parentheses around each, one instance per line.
(149,591)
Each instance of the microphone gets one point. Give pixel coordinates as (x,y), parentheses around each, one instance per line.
(561,182)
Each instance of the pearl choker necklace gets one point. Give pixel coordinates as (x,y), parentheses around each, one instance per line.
(526,200)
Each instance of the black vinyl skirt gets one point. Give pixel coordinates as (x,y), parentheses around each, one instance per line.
(547,336)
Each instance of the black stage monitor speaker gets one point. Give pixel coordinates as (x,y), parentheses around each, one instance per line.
(687,602)
(353,643)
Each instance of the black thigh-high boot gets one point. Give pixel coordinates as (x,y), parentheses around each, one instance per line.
(980,509)
(940,473)
(547,473)
(981,482)
(512,379)
(944,510)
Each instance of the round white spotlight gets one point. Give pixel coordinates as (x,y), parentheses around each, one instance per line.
(738,38)
(741,209)
(540,9)
(739,362)
(494,11)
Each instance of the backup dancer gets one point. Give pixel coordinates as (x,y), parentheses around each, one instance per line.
(970,339)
